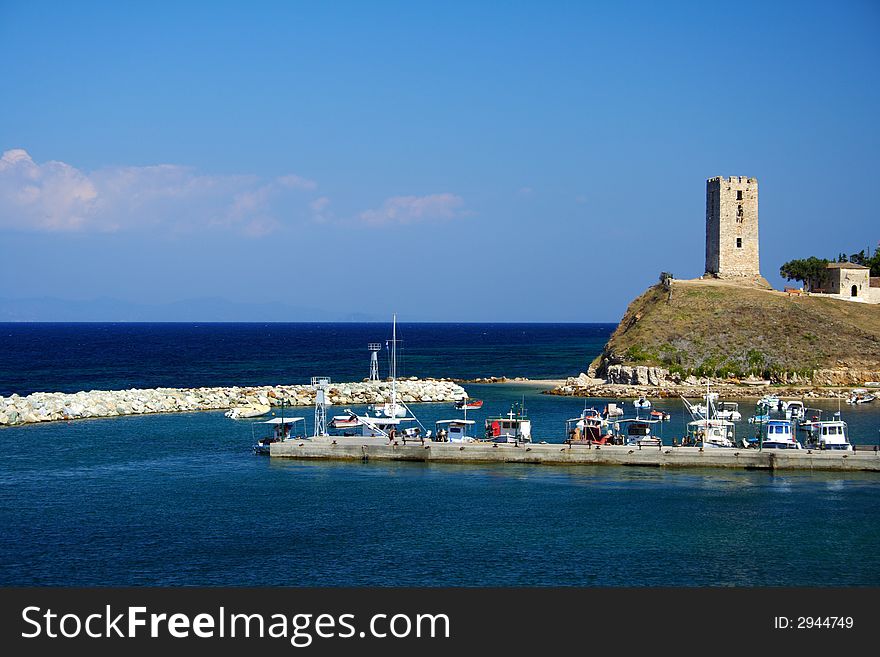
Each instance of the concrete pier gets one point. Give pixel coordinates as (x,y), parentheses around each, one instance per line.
(366,449)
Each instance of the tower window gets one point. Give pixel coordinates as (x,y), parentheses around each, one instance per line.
(739,242)
(739,195)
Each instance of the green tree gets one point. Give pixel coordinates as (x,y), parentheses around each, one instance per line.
(859,258)
(874,263)
(807,270)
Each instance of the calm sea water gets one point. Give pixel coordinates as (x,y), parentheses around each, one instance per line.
(73,357)
(181,500)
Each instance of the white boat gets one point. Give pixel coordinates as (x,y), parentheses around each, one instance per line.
(860,396)
(831,435)
(771,402)
(728,411)
(387,410)
(344,422)
(779,434)
(454,431)
(794,409)
(642,402)
(515,427)
(244,412)
(713,432)
(702,409)
(636,432)
(392,415)
(389,427)
(590,427)
(282,428)
(612,410)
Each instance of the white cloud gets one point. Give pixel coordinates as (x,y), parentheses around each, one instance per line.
(319,204)
(54,196)
(414,209)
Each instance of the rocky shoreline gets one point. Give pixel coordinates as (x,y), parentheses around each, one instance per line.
(55,406)
(655,384)
(494,379)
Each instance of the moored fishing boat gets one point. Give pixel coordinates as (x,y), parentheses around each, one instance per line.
(778,434)
(612,410)
(282,428)
(771,402)
(636,432)
(469,404)
(587,429)
(387,410)
(344,422)
(712,432)
(454,431)
(831,435)
(389,416)
(515,427)
(642,402)
(793,409)
(860,396)
(249,411)
(728,411)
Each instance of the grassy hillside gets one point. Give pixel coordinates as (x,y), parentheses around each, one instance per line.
(714,328)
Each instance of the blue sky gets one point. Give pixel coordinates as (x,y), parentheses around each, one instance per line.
(463,161)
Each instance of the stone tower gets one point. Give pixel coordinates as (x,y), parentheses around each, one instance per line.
(732,227)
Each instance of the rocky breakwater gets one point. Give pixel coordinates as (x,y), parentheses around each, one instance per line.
(53,406)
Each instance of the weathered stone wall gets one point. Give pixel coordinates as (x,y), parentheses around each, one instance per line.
(842,280)
(732,227)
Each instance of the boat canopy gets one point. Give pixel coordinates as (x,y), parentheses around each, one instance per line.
(455,422)
(283,420)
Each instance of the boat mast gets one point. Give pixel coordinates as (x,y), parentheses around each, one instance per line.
(394,365)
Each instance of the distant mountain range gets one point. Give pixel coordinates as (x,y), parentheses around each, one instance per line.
(208,309)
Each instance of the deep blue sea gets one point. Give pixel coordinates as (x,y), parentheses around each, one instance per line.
(181,499)
(73,357)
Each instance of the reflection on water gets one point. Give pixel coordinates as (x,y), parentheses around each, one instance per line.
(180,499)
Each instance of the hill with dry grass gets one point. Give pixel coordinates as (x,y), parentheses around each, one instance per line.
(718,329)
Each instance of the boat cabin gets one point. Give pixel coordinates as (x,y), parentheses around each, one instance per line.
(612,410)
(778,434)
(454,431)
(515,427)
(281,429)
(637,431)
(714,432)
(728,411)
(589,428)
(829,435)
(794,410)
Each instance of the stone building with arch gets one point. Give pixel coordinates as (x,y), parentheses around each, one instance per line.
(847,280)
